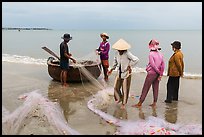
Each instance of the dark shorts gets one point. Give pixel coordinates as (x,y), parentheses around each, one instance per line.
(64,65)
(105,63)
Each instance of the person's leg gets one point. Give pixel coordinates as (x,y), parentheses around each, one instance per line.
(148,81)
(105,66)
(103,70)
(155,87)
(61,76)
(62,71)
(176,91)
(65,78)
(125,90)
(117,92)
(170,89)
(105,73)
(147,84)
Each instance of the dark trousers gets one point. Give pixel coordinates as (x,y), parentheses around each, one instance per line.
(172,88)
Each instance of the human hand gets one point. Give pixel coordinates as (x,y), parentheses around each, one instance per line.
(96,51)
(74,61)
(159,78)
(129,69)
(70,54)
(109,72)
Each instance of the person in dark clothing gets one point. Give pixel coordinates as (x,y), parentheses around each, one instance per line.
(175,71)
(64,59)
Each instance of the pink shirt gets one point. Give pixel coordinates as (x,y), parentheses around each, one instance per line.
(156,63)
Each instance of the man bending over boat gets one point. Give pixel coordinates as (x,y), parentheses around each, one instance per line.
(64,59)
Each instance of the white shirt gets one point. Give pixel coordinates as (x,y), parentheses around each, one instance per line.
(126,59)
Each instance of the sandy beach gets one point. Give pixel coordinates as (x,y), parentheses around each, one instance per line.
(18,79)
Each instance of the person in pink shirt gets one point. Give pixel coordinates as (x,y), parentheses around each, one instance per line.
(155,69)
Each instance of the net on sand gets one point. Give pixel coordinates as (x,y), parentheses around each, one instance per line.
(35,105)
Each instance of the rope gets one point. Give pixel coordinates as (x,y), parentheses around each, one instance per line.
(81,78)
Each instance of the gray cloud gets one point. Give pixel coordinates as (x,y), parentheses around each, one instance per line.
(103,15)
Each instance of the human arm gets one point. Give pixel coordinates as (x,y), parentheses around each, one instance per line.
(73,59)
(162,66)
(115,63)
(152,63)
(133,59)
(68,55)
(178,59)
(97,51)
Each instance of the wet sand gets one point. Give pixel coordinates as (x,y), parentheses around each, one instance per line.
(21,78)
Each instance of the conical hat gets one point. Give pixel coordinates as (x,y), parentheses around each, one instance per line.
(121,45)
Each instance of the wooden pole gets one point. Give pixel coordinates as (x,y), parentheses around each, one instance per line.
(51,52)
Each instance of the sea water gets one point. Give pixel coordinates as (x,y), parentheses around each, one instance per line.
(25,46)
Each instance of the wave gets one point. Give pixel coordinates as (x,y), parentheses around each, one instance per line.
(23,59)
(192,75)
(31,60)
(187,75)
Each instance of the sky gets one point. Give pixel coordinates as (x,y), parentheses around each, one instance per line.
(103,15)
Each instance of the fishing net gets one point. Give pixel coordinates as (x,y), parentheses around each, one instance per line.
(150,126)
(37,106)
(90,59)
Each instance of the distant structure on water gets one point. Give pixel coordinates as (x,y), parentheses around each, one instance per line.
(19,29)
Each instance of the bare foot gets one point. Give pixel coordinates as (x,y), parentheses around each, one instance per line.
(117,101)
(65,85)
(122,106)
(138,105)
(153,105)
(106,79)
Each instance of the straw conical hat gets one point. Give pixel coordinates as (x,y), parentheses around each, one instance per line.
(121,45)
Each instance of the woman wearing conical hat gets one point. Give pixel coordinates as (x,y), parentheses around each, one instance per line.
(124,60)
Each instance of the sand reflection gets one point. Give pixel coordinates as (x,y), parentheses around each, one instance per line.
(171,111)
(66,95)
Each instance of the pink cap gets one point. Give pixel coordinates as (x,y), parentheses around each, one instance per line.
(154,44)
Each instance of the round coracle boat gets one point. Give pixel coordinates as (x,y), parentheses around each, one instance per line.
(74,74)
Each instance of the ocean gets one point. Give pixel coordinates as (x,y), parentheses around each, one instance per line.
(25,46)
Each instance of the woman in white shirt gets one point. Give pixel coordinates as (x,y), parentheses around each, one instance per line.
(124,61)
